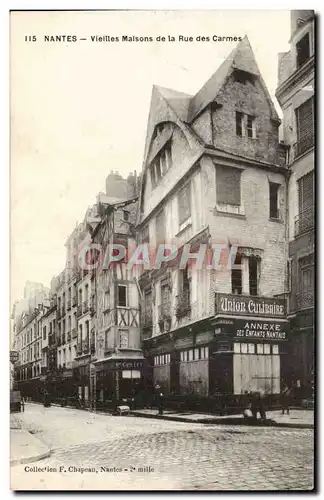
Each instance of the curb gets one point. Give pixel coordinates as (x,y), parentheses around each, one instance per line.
(226,421)
(33,458)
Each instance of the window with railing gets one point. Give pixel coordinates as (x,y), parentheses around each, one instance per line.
(303,50)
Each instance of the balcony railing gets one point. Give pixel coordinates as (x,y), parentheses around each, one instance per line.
(79,311)
(304,221)
(304,300)
(85,307)
(164,311)
(304,144)
(69,305)
(85,346)
(183,306)
(79,349)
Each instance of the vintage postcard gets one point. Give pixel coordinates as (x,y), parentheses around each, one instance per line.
(162,250)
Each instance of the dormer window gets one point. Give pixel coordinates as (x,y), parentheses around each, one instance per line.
(161,164)
(303,50)
(245,125)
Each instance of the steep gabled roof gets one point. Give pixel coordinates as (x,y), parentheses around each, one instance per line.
(241,58)
(179,101)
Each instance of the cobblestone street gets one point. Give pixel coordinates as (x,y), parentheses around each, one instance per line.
(179,455)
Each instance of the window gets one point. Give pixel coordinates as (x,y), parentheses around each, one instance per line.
(253,275)
(160,227)
(184,204)
(288,276)
(161,164)
(206,352)
(126,215)
(228,185)
(237,275)
(239,123)
(190,353)
(273,198)
(145,236)
(122,296)
(245,125)
(303,50)
(266,348)
(44,333)
(196,353)
(250,126)
(123,339)
(305,126)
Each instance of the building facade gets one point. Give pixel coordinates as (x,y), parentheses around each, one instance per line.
(215,176)
(295,94)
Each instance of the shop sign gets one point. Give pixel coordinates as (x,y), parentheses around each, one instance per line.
(261,330)
(135,364)
(14,356)
(247,306)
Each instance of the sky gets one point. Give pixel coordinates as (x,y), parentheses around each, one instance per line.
(79,110)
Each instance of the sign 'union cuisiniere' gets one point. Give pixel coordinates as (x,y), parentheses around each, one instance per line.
(250,306)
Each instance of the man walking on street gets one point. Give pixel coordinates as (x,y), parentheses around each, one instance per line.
(285,400)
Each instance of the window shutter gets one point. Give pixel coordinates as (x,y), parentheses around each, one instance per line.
(306,191)
(228,185)
(305,124)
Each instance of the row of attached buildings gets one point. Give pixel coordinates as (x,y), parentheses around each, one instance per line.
(234,311)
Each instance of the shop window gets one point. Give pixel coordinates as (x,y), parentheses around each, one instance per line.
(237,348)
(266,349)
(244,348)
(236,275)
(196,353)
(206,352)
(275,349)
(259,348)
(190,355)
(251,348)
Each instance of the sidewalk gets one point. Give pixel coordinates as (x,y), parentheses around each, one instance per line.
(303,419)
(24,447)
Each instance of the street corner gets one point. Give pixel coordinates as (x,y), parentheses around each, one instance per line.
(26,448)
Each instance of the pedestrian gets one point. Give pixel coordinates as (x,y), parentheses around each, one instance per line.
(285,400)
(159,399)
(22,403)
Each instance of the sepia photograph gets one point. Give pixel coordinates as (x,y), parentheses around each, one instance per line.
(162,250)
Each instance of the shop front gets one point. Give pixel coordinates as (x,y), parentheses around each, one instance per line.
(249,348)
(119,379)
